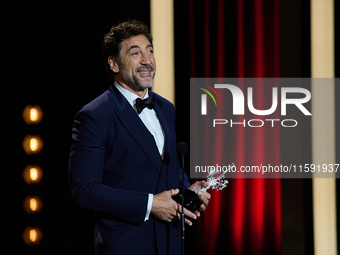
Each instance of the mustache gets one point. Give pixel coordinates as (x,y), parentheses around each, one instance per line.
(145,68)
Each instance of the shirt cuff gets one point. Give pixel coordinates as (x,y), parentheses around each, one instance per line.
(148,210)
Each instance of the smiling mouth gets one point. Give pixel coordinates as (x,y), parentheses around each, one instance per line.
(144,73)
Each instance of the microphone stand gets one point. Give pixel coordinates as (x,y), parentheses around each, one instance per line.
(182,216)
(183,149)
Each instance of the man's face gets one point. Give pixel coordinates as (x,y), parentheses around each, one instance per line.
(137,65)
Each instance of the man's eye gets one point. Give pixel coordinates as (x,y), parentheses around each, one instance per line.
(151,51)
(134,53)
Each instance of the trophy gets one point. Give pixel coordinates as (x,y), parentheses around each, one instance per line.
(192,202)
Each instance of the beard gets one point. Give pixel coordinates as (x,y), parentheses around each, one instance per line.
(135,81)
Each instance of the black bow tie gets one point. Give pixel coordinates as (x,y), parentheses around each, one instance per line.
(142,103)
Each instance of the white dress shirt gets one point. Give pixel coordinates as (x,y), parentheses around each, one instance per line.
(151,121)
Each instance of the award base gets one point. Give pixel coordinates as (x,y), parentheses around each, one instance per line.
(192,202)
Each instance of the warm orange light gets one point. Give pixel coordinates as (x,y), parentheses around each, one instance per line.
(32,144)
(32,235)
(32,204)
(32,174)
(32,114)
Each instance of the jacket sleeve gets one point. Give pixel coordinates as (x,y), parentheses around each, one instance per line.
(86,168)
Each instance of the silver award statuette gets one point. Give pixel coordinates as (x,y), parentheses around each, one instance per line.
(192,201)
(217,183)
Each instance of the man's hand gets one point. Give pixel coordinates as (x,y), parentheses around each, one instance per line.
(204,196)
(167,209)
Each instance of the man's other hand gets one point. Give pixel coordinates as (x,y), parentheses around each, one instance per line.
(204,196)
(167,209)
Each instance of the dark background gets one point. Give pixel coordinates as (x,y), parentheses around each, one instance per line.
(51,54)
(52,57)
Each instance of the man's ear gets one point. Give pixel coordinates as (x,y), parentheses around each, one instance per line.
(113,64)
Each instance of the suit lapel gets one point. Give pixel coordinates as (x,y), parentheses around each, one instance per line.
(164,124)
(135,126)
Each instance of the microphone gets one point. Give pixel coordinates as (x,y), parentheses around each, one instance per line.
(188,198)
(182,149)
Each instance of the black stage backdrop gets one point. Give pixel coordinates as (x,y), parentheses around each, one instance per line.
(52,57)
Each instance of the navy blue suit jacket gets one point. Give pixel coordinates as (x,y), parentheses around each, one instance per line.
(114,165)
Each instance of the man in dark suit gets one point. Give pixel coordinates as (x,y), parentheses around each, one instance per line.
(123,162)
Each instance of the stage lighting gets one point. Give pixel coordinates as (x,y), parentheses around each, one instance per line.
(32,204)
(32,114)
(32,235)
(32,144)
(32,174)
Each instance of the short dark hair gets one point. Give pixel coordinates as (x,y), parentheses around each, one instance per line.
(111,44)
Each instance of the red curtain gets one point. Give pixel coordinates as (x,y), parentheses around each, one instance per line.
(240,39)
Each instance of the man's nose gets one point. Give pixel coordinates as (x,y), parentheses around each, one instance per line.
(145,58)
